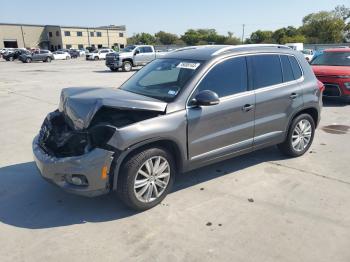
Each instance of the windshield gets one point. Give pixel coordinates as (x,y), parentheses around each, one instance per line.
(332,59)
(162,79)
(129,48)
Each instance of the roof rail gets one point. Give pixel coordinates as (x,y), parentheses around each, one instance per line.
(228,48)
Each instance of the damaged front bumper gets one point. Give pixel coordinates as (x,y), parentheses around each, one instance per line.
(94,167)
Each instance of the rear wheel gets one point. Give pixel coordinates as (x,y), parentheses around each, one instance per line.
(48,59)
(96,58)
(11,58)
(28,60)
(146,178)
(127,66)
(300,136)
(67,57)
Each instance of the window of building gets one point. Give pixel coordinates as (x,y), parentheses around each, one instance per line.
(58,46)
(50,34)
(68,46)
(57,33)
(122,46)
(121,34)
(99,46)
(98,34)
(286,69)
(80,47)
(296,67)
(66,33)
(92,34)
(79,33)
(266,70)
(226,78)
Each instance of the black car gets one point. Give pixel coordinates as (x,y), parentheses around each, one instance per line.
(10,56)
(42,55)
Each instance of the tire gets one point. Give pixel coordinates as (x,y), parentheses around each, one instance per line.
(67,58)
(96,58)
(290,146)
(48,60)
(144,197)
(127,66)
(114,69)
(11,58)
(28,60)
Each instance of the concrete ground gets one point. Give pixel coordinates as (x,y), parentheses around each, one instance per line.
(258,207)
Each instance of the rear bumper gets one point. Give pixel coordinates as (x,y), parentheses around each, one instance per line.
(90,165)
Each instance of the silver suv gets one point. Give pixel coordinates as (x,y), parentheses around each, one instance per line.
(193,107)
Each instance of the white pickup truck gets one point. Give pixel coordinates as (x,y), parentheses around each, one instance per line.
(131,56)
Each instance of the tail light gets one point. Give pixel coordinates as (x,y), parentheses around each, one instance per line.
(320,86)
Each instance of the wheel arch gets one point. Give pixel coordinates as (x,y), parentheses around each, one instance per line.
(312,111)
(165,143)
(129,60)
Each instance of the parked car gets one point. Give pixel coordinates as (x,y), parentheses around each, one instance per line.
(13,55)
(74,53)
(61,55)
(83,52)
(131,56)
(332,68)
(308,54)
(98,54)
(188,109)
(41,55)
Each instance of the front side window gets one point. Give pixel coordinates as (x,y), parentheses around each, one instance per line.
(226,78)
(332,59)
(266,70)
(162,79)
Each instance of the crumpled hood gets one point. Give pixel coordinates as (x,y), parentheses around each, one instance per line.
(81,104)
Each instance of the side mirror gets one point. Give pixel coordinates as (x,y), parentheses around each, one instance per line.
(205,98)
(137,52)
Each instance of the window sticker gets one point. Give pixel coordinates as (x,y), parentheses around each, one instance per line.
(172,92)
(187,65)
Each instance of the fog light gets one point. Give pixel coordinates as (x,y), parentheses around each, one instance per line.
(77,180)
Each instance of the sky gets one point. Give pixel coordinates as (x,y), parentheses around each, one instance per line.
(171,16)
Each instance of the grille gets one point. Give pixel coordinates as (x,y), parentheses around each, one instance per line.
(331,90)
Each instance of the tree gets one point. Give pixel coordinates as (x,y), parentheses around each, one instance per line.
(142,38)
(166,38)
(323,27)
(259,37)
(191,37)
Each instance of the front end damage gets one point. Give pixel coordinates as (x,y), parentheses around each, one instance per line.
(79,156)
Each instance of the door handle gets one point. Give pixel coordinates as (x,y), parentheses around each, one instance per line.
(247,107)
(293,96)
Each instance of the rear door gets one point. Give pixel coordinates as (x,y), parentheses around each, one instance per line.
(219,130)
(148,54)
(277,95)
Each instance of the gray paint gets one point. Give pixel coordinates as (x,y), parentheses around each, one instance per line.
(201,135)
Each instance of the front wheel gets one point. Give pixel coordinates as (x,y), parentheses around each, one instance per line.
(127,66)
(146,178)
(48,60)
(96,58)
(28,60)
(300,136)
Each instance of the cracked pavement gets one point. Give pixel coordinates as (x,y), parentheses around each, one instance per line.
(257,207)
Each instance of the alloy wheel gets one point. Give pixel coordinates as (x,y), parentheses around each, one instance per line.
(302,134)
(152,179)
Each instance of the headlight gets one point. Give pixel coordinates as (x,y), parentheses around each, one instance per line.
(347,85)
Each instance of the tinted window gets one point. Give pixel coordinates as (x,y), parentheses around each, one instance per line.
(227,78)
(266,70)
(295,67)
(287,69)
(147,49)
(332,59)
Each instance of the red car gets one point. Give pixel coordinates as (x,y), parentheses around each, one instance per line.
(332,68)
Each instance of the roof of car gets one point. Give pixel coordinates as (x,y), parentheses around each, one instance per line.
(337,50)
(207,52)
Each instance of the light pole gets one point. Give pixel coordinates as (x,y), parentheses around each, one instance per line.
(243,26)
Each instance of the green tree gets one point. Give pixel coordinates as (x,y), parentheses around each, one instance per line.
(166,38)
(323,27)
(260,36)
(142,38)
(191,37)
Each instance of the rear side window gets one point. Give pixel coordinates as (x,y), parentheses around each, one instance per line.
(266,70)
(286,69)
(295,67)
(227,78)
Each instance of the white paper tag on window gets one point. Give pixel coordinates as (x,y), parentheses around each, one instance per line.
(172,92)
(186,65)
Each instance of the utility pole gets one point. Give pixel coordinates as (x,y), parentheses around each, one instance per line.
(243,26)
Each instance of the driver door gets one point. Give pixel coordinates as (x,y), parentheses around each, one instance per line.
(228,127)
